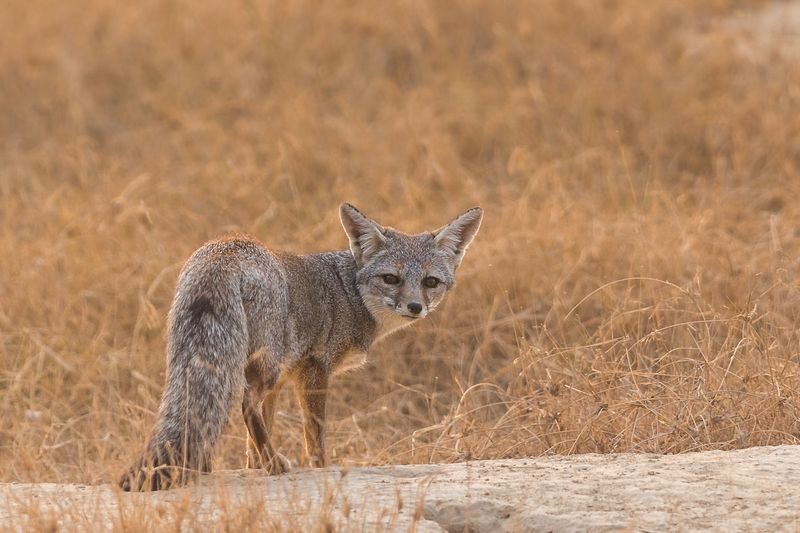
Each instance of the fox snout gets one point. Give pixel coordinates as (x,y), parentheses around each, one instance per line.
(412,310)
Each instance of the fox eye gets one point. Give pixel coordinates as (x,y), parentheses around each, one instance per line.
(431,282)
(391,279)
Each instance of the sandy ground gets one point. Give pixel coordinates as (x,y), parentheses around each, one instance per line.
(751,489)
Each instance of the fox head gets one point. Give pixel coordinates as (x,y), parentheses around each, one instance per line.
(403,276)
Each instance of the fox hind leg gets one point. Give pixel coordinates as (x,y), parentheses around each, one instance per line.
(260,453)
(258,409)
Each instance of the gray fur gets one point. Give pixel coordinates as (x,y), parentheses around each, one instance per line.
(246,319)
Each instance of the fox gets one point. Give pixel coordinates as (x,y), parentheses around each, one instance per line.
(246,320)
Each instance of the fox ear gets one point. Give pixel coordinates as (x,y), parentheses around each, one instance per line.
(366,235)
(456,236)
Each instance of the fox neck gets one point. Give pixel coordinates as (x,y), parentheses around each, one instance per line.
(365,327)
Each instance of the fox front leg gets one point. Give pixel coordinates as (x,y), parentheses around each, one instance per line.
(312,389)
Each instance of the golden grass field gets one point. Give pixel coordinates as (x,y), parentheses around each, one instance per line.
(634,287)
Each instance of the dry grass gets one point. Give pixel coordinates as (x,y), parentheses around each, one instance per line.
(634,287)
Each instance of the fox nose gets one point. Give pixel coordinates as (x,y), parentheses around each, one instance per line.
(415,308)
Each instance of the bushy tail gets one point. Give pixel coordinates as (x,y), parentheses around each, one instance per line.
(205,373)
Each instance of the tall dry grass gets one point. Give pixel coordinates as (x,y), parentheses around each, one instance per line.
(634,287)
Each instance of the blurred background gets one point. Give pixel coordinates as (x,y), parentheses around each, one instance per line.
(634,287)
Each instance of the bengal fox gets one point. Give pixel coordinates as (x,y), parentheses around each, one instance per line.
(245,320)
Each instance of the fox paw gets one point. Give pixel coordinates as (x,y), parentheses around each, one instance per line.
(279,465)
(318,461)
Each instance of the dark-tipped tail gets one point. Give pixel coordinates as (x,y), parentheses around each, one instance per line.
(205,373)
(159,469)
(190,421)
